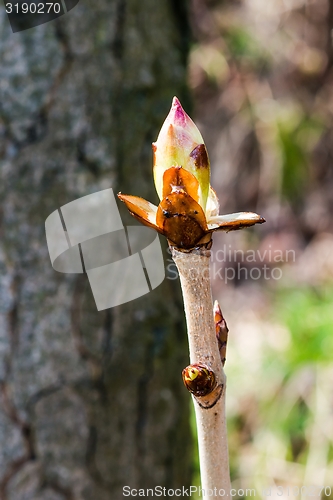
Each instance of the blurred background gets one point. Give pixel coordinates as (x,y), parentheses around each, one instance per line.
(92,401)
(261,76)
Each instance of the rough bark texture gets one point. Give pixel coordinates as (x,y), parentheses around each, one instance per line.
(90,401)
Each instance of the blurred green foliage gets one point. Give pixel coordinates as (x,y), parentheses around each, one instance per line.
(295,141)
(308,315)
(289,420)
(244,47)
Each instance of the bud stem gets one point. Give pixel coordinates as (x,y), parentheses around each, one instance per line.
(194,275)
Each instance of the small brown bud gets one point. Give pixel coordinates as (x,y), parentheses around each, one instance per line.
(221,331)
(199,379)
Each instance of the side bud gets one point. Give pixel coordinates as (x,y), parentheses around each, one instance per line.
(199,379)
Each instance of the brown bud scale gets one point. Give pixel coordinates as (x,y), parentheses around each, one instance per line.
(200,156)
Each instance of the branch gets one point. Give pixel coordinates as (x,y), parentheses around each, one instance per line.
(194,275)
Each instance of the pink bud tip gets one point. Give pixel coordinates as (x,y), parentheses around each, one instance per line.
(177,114)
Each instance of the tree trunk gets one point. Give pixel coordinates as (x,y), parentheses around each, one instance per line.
(90,401)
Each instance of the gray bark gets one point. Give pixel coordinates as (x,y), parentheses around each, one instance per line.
(90,401)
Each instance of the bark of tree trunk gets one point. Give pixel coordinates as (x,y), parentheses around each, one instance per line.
(90,401)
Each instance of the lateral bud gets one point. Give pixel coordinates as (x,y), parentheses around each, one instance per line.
(199,379)
(221,331)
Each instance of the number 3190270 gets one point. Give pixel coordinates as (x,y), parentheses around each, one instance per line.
(33,8)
